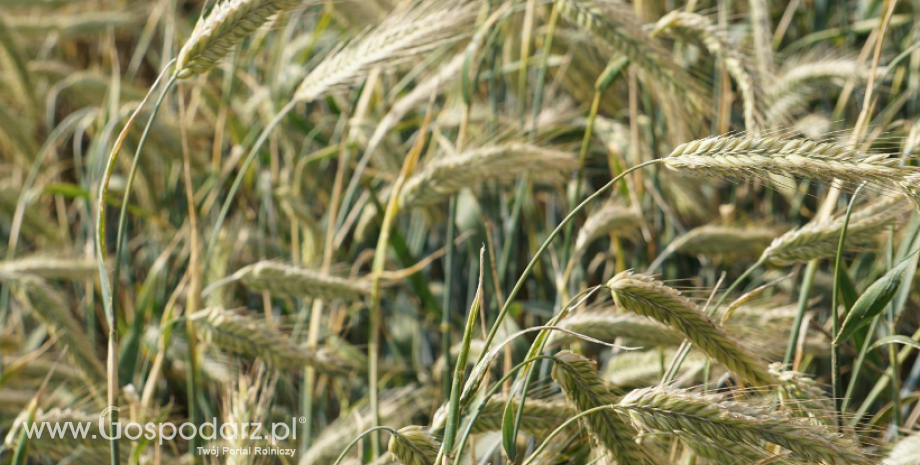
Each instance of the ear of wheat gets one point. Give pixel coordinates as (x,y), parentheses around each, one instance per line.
(744,158)
(644,295)
(905,452)
(711,417)
(293,281)
(612,218)
(811,73)
(229,22)
(608,324)
(725,240)
(820,239)
(616,23)
(52,309)
(48,268)
(247,401)
(445,176)
(720,451)
(693,27)
(247,336)
(636,369)
(584,388)
(216,365)
(406,33)
(801,396)
(412,445)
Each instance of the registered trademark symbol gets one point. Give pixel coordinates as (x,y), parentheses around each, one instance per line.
(303,420)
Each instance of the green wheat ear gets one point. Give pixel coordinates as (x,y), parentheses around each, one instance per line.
(578,378)
(644,295)
(413,445)
(713,418)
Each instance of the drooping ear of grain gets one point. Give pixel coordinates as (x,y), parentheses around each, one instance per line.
(616,23)
(406,33)
(644,295)
(584,388)
(694,27)
(713,418)
(52,309)
(293,281)
(638,369)
(820,239)
(245,335)
(414,446)
(441,178)
(229,22)
(802,397)
(612,218)
(727,241)
(397,407)
(610,325)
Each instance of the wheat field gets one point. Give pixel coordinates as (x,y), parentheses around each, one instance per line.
(433,232)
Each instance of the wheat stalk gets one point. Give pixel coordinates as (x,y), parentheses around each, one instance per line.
(820,239)
(539,416)
(228,23)
(584,388)
(644,295)
(711,417)
(397,407)
(404,34)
